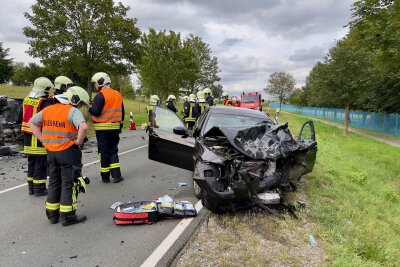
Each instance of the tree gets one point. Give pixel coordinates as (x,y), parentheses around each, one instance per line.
(123,84)
(342,78)
(83,36)
(217,90)
(6,68)
(166,63)
(298,97)
(208,65)
(281,85)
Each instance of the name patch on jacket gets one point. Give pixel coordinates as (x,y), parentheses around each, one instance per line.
(60,124)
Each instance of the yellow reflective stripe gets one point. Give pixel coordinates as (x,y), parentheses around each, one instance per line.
(74,196)
(29,179)
(64,208)
(106,126)
(104,169)
(39,181)
(35,150)
(52,206)
(114,165)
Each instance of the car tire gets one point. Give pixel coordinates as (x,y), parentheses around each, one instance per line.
(196,189)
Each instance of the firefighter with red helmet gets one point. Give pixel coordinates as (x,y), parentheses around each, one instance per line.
(107,113)
(36,101)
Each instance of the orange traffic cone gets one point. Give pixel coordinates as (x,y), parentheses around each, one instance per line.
(132,123)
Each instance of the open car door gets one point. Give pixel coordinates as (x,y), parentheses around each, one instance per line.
(169,140)
(307,134)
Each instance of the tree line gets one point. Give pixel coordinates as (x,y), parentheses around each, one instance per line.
(78,38)
(362,70)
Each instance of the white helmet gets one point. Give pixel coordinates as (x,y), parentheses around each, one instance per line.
(62,83)
(101,79)
(171,97)
(225,94)
(207,91)
(154,100)
(192,98)
(41,87)
(76,95)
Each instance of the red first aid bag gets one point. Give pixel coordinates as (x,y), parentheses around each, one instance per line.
(136,213)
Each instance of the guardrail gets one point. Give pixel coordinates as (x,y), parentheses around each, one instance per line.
(375,121)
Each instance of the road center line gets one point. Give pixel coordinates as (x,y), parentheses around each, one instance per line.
(163,248)
(85,165)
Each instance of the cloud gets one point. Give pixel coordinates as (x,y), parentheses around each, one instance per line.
(231,41)
(251,39)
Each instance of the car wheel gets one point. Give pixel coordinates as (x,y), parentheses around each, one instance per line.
(197,190)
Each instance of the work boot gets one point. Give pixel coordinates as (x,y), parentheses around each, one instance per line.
(106,181)
(30,188)
(40,190)
(53,215)
(117,180)
(69,218)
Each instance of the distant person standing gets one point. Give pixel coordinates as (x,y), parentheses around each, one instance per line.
(108,114)
(154,101)
(190,112)
(207,94)
(35,102)
(171,103)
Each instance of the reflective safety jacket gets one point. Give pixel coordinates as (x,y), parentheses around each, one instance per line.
(111,114)
(58,133)
(228,103)
(30,107)
(190,117)
(32,146)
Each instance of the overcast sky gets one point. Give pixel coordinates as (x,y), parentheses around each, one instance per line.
(251,38)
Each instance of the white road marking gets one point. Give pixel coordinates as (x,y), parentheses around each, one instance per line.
(85,165)
(163,248)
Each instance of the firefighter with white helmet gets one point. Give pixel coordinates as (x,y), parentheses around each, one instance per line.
(61,84)
(108,114)
(171,103)
(227,101)
(62,130)
(208,96)
(154,101)
(190,111)
(36,101)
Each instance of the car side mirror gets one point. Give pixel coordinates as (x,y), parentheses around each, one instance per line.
(179,130)
(276,115)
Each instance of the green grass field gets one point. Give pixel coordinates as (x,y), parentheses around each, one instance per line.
(355,195)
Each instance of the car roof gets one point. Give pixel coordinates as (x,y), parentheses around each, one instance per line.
(237,111)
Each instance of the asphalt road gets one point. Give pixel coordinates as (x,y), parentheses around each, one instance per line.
(28,239)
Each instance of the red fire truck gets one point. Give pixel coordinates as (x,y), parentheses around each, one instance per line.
(251,100)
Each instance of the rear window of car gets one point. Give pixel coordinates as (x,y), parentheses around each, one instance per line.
(217,119)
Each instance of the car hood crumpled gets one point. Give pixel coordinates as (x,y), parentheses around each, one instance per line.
(262,142)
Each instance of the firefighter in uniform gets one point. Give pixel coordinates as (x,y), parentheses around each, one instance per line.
(107,113)
(189,111)
(207,94)
(227,101)
(154,101)
(201,104)
(170,103)
(61,84)
(62,129)
(36,101)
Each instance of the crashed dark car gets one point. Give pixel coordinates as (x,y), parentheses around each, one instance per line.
(239,157)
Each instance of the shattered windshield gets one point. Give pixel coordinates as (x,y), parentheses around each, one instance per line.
(235,121)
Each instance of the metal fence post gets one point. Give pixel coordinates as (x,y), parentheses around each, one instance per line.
(396,130)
